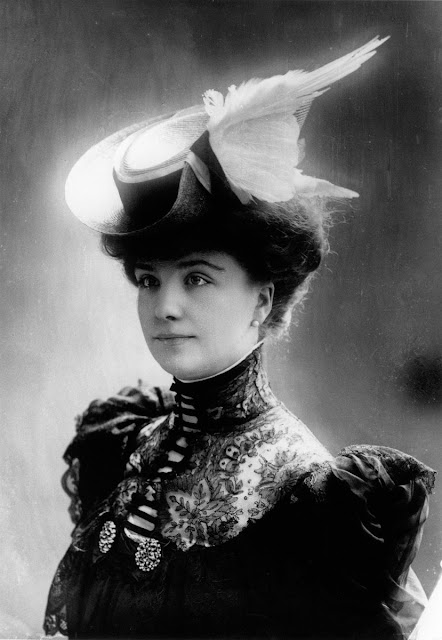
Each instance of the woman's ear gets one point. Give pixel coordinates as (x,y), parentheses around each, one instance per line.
(265,302)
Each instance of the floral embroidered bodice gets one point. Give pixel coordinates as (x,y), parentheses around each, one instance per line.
(248,452)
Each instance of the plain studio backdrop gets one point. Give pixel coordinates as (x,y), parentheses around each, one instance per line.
(364,362)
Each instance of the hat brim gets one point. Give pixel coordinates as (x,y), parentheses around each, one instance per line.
(91,192)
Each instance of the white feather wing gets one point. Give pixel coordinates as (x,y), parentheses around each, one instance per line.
(310,187)
(258,157)
(284,93)
(253,131)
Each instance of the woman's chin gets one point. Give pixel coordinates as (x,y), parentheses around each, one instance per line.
(179,365)
(186,368)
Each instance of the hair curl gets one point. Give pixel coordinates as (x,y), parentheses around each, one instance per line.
(282,244)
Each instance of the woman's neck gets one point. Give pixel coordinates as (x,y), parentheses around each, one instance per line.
(232,366)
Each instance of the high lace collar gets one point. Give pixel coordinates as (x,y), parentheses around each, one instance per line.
(232,398)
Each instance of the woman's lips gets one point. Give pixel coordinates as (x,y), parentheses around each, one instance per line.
(172,339)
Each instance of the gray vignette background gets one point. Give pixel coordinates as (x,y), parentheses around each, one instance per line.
(364,363)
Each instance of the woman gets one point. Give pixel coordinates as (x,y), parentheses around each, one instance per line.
(212,511)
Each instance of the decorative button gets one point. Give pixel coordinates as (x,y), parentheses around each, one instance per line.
(148,554)
(107,536)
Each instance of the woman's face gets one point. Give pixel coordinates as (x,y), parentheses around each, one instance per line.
(196,313)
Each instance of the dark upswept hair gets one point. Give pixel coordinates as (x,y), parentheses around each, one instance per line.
(282,244)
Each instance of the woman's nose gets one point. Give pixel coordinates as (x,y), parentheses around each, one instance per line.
(168,303)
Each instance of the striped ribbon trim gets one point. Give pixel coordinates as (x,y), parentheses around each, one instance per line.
(143,514)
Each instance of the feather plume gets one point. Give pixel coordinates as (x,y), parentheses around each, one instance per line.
(254,131)
(315,187)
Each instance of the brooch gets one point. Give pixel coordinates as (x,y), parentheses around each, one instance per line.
(107,536)
(148,554)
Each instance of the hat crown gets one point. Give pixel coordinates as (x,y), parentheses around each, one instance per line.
(160,148)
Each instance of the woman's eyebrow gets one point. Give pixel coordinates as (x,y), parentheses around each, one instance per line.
(145,265)
(183,264)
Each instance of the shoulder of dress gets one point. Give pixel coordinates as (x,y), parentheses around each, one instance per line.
(372,461)
(107,434)
(367,471)
(125,413)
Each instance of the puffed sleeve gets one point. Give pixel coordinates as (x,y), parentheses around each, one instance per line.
(106,436)
(380,499)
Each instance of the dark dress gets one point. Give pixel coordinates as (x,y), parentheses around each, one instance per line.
(261,533)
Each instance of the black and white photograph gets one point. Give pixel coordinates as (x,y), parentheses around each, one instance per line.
(221,319)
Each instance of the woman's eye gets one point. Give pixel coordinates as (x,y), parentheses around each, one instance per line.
(196,281)
(147,281)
